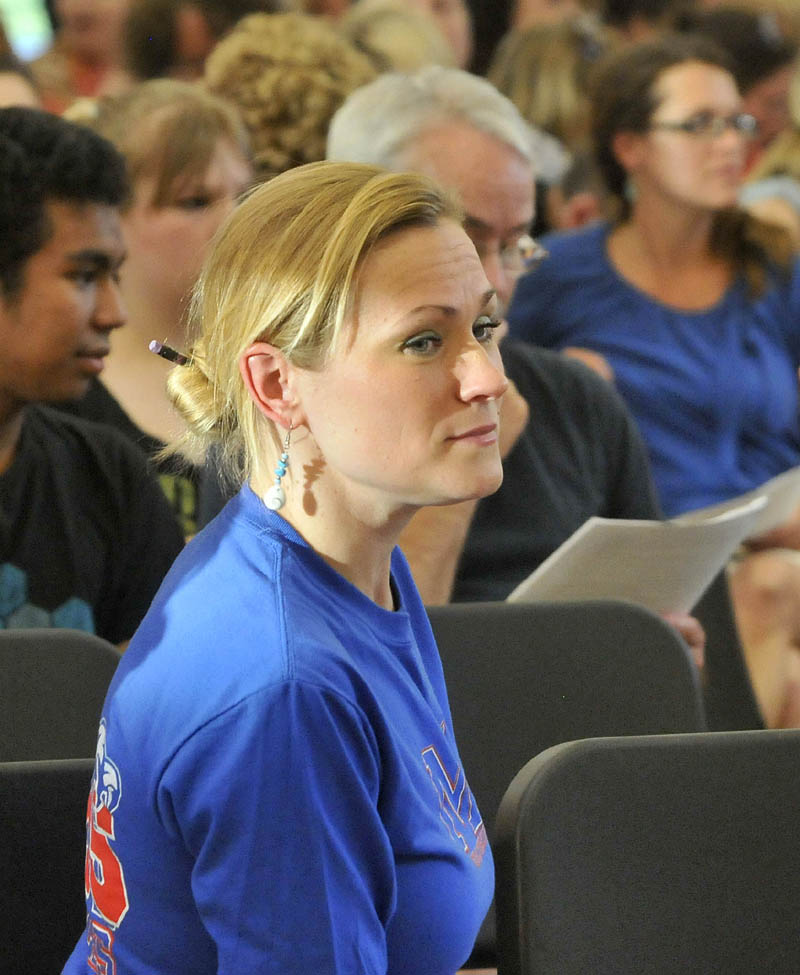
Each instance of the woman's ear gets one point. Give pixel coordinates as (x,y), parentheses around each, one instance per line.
(267,375)
(627,148)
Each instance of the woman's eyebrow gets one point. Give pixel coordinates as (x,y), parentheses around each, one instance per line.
(485,298)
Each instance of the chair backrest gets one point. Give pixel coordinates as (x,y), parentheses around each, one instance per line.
(52,686)
(728,695)
(42,849)
(524,676)
(657,854)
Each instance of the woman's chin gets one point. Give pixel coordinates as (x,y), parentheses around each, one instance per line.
(479,487)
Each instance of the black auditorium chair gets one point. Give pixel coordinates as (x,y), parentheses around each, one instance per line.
(524,676)
(52,686)
(657,854)
(42,850)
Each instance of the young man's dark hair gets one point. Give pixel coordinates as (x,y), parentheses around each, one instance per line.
(43,158)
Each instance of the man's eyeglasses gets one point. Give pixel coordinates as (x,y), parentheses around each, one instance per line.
(530,252)
(516,256)
(706,125)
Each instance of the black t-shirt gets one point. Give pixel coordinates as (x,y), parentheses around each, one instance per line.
(86,534)
(580,455)
(179,480)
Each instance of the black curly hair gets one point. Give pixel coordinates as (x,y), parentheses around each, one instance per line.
(46,158)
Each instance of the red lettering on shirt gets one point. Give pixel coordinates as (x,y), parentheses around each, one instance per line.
(104,879)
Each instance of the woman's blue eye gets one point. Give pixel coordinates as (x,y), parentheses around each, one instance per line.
(484,327)
(423,344)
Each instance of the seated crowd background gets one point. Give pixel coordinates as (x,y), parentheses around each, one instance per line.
(627,178)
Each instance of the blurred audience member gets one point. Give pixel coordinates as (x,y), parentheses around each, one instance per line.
(86,535)
(17,85)
(286,74)
(396,36)
(664,291)
(786,12)
(454,21)
(577,199)
(188,159)
(639,20)
(526,13)
(173,38)
(86,57)
(544,70)
(762,60)
(692,306)
(773,190)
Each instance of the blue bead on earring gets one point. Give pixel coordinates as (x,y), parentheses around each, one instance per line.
(276,497)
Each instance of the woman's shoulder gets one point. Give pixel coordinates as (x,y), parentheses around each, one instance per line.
(249,601)
(586,242)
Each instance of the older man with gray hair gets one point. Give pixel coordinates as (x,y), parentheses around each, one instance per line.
(570,448)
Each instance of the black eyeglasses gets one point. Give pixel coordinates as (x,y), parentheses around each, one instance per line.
(706,125)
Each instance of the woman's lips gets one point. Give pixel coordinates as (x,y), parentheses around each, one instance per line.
(484,435)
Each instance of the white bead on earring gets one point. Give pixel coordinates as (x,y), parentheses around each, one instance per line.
(276,496)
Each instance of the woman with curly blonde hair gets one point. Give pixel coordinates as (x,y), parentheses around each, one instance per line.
(287,74)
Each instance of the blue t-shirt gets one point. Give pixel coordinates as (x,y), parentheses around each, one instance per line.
(277,788)
(714,392)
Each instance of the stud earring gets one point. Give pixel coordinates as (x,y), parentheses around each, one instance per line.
(276,496)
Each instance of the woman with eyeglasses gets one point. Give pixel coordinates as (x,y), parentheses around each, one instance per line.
(690,305)
(692,308)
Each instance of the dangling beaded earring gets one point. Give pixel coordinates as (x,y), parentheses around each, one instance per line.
(276,497)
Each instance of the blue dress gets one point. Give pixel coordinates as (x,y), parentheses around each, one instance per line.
(277,788)
(714,392)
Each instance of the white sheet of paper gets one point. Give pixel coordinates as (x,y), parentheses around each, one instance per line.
(782,494)
(663,565)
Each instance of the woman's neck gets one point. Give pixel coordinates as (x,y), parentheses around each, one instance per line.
(669,237)
(137,378)
(666,253)
(347,528)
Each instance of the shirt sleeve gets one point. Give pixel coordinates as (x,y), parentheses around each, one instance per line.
(277,804)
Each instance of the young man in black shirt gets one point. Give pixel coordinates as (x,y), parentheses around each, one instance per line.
(86,534)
